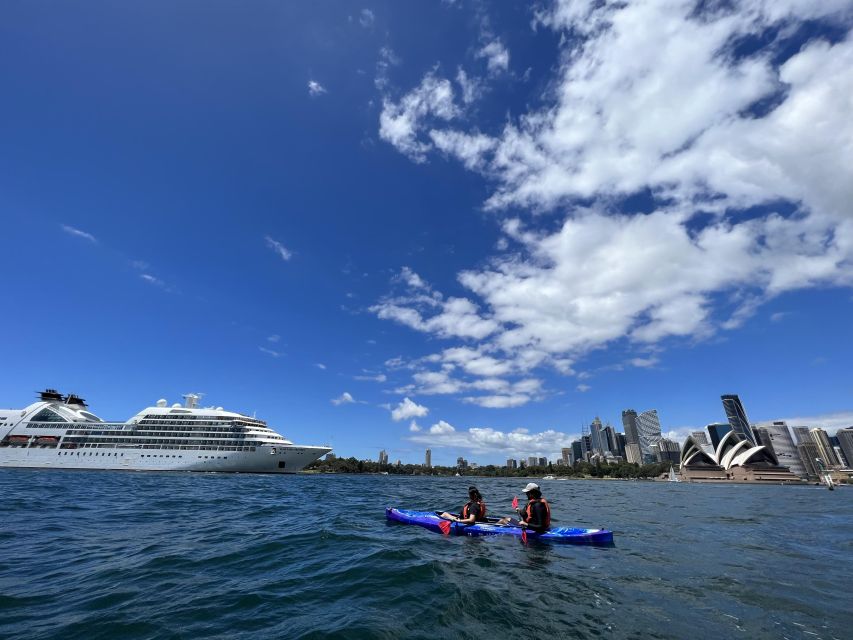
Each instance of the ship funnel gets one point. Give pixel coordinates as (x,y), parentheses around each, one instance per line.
(191,400)
(162,402)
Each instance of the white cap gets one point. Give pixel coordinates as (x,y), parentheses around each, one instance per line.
(531,486)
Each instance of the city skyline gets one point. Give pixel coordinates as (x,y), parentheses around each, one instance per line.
(374,238)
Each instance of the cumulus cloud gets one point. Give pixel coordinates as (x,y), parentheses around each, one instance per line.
(518,443)
(400,122)
(283,252)
(344,398)
(315,88)
(414,427)
(366,18)
(496,55)
(78,233)
(408,409)
(441,428)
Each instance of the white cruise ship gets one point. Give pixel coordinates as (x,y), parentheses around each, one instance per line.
(59,432)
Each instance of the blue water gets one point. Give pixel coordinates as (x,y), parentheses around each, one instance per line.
(142,555)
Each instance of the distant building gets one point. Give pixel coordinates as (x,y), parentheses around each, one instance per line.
(633,453)
(700,437)
(717,431)
(566,455)
(531,461)
(428,459)
(610,439)
(577,451)
(845,441)
(383,457)
(543,462)
(461,463)
(620,445)
(586,446)
(808,454)
(736,415)
(629,424)
(669,451)
(824,446)
(776,436)
(648,428)
(596,436)
(511,463)
(802,435)
(735,458)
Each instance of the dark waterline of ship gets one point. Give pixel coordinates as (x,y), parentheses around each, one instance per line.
(127,555)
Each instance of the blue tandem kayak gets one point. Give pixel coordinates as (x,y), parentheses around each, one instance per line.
(430,520)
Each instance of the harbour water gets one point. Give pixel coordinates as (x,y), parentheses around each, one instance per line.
(126,555)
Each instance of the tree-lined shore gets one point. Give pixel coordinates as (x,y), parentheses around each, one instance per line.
(624,470)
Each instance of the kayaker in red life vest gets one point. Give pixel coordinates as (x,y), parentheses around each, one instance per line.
(473,511)
(536,515)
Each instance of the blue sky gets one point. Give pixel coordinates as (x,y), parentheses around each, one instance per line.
(461,225)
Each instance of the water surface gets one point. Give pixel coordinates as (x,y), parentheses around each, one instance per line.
(90,555)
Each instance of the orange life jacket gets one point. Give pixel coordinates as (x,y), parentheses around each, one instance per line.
(467,509)
(547,511)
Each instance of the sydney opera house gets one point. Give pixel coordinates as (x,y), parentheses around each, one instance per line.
(734,458)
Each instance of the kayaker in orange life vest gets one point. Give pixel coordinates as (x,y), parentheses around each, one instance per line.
(473,511)
(536,515)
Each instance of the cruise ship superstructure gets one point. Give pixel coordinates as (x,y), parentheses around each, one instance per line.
(60,432)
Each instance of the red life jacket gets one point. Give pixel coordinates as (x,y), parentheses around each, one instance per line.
(466,511)
(547,511)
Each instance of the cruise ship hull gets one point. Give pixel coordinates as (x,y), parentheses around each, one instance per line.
(263,460)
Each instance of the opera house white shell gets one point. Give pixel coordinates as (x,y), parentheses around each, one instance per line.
(733,451)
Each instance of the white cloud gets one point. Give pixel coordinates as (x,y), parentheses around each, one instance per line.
(147,277)
(344,398)
(387,59)
(408,409)
(379,377)
(400,122)
(414,427)
(649,97)
(583,388)
(831,422)
(366,18)
(78,233)
(471,87)
(320,366)
(274,338)
(315,88)
(283,252)
(496,55)
(518,443)
(270,352)
(441,428)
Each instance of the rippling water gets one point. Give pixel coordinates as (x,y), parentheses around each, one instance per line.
(141,555)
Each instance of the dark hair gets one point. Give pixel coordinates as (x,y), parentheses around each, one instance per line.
(474,493)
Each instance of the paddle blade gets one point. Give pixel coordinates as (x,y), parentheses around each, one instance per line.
(524,536)
(444,525)
(515,502)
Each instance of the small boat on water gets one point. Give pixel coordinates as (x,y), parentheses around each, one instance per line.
(432,521)
(672,477)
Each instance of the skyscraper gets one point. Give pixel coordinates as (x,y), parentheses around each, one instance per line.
(827,453)
(383,457)
(845,441)
(629,424)
(670,451)
(511,463)
(597,436)
(577,451)
(610,439)
(802,435)
(717,431)
(648,429)
(808,452)
(531,461)
(737,416)
(776,437)
(566,455)
(428,459)
(543,462)
(620,445)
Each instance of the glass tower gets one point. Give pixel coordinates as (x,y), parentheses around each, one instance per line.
(737,417)
(648,429)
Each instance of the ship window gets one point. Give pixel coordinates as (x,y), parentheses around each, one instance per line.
(46,415)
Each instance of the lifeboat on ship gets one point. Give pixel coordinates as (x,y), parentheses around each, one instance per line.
(19,439)
(47,440)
